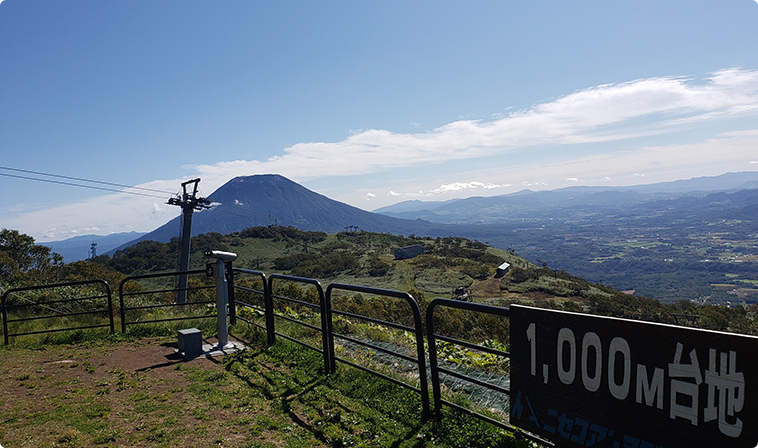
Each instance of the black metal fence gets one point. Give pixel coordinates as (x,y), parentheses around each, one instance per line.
(58,311)
(495,385)
(270,302)
(277,300)
(417,330)
(251,299)
(253,295)
(436,369)
(148,311)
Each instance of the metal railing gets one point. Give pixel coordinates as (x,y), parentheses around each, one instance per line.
(240,294)
(124,308)
(267,303)
(436,369)
(87,306)
(417,330)
(319,308)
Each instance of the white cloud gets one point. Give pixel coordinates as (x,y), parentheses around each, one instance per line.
(454,187)
(106,214)
(605,113)
(732,151)
(370,196)
(720,154)
(461,186)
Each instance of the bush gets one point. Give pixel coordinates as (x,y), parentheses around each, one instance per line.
(520,275)
(377,268)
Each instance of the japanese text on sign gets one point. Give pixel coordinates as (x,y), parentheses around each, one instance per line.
(617,368)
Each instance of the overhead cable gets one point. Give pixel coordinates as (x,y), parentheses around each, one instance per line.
(80,179)
(93,187)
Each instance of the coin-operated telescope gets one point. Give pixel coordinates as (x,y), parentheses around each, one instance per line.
(218,270)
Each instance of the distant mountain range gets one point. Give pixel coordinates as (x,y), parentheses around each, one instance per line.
(272,199)
(685,240)
(79,247)
(571,202)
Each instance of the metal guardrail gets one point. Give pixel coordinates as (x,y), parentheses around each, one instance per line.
(265,295)
(123,308)
(55,313)
(326,312)
(320,308)
(435,368)
(326,330)
(417,330)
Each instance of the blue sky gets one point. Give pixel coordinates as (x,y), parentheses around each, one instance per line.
(369,103)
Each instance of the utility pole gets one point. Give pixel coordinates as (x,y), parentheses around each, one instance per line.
(189,202)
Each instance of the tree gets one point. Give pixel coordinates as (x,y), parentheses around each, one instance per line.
(22,261)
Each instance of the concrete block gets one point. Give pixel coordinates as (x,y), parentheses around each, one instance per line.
(190,342)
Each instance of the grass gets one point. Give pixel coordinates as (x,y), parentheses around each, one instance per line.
(86,394)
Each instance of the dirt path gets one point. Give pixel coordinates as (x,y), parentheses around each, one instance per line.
(127,394)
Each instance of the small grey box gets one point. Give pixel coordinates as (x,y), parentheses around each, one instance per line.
(190,342)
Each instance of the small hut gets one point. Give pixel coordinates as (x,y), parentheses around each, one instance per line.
(502,270)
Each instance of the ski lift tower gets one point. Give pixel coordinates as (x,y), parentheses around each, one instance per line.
(189,202)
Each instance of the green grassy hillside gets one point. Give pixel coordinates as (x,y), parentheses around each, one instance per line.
(367,259)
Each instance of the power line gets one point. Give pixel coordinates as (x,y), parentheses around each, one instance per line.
(80,185)
(247,211)
(38,173)
(81,179)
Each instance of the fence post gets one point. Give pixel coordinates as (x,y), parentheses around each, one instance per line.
(268,304)
(435,374)
(121,309)
(230,293)
(5,318)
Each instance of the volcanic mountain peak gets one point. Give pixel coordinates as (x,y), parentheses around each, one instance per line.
(272,199)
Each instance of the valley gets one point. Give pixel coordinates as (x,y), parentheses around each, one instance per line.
(668,242)
(710,262)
